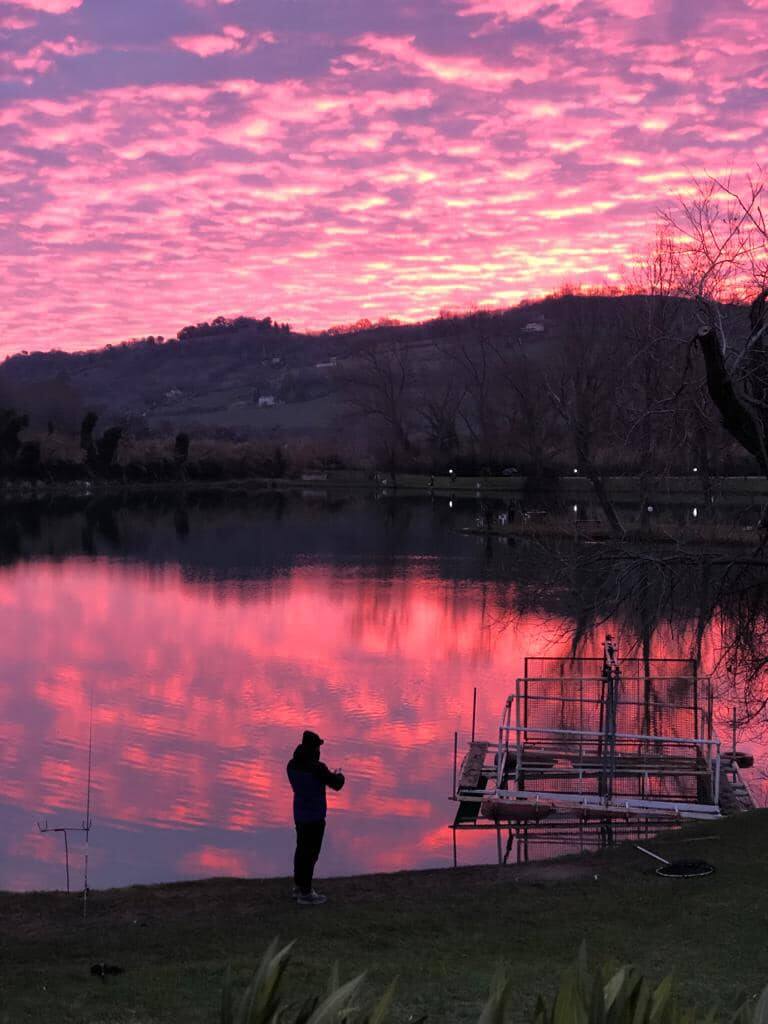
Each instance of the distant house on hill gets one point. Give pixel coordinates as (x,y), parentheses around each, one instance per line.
(265,401)
(535,327)
(327,365)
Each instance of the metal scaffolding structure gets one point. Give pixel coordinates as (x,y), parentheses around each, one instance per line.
(593,750)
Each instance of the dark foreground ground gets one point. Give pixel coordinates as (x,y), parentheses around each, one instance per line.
(442,933)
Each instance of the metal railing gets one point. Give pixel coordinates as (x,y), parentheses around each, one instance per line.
(594,740)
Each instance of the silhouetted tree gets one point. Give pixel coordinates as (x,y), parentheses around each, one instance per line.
(656,411)
(11,425)
(181,454)
(379,391)
(438,400)
(279,462)
(722,255)
(476,365)
(106,447)
(584,392)
(29,458)
(532,424)
(181,447)
(86,435)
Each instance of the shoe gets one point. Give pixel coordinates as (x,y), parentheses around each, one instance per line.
(296,892)
(312,899)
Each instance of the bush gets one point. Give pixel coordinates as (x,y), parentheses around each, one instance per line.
(609,996)
(263,1002)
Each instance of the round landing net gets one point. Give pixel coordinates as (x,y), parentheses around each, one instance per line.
(685,869)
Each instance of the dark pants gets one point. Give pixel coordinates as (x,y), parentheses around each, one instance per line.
(309,840)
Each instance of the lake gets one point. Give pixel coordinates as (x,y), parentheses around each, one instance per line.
(198,639)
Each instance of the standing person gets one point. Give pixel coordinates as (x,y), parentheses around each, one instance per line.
(309,777)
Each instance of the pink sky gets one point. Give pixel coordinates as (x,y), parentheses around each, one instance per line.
(318,162)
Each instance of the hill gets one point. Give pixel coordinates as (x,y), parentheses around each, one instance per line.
(471,382)
(212,376)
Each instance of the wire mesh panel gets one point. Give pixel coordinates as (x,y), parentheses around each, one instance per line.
(648,705)
(611,732)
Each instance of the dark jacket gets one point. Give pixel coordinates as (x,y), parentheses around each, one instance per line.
(309,777)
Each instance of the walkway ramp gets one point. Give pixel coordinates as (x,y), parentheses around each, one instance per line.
(735,795)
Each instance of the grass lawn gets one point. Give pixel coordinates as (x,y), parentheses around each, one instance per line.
(442,933)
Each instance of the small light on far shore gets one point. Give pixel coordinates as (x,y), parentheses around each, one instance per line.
(450,472)
(695,513)
(695,469)
(450,503)
(575,470)
(575,508)
(650,508)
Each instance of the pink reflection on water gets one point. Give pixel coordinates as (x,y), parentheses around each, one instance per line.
(200,693)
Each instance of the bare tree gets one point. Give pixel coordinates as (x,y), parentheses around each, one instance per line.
(476,367)
(439,397)
(651,335)
(582,389)
(530,419)
(379,390)
(720,236)
(722,257)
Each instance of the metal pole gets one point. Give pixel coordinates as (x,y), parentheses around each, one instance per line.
(87,822)
(455,854)
(455,758)
(733,733)
(66,856)
(474,712)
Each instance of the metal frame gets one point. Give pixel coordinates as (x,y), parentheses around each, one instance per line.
(603,742)
(618,747)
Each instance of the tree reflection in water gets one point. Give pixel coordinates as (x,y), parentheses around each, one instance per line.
(210,627)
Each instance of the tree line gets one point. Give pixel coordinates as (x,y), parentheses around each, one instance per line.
(670,377)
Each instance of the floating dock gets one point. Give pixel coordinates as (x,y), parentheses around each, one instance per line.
(591,751)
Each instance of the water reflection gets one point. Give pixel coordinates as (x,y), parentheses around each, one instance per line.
(208,638)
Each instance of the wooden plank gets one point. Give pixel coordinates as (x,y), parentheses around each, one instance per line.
(472,765)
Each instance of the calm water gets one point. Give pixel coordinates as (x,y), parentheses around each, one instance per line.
(207,638)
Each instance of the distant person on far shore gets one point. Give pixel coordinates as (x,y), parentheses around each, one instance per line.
(309,778)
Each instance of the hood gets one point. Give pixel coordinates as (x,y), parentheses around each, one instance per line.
(306,755)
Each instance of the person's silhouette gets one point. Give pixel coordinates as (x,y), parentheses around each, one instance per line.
(309,778)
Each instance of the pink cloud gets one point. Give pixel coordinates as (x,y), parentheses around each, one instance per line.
(41,58)
(206,45)
(50,6)
(15,23)
(368,172)
(469,71)
(231,38)
(515,10)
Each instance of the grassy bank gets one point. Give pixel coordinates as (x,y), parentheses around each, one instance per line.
(441,933)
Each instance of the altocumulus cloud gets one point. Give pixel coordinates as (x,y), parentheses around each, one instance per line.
(319,162)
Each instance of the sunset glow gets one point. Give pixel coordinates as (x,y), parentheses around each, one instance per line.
(200,693)
(165,163)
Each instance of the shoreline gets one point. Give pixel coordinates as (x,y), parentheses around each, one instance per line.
(441,932)
(669,489)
